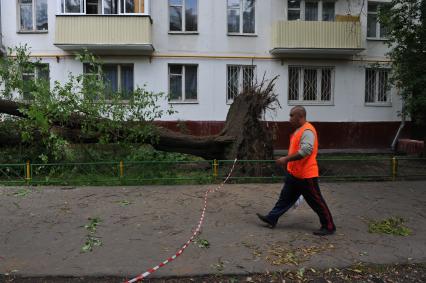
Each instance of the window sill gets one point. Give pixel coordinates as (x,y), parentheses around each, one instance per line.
(32,31)
(184,32)
(183,102)
(377,39)
(242,34)
(378,104)
(310,103)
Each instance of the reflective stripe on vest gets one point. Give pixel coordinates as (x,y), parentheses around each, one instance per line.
(306,167)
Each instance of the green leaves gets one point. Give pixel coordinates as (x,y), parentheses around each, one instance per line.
(406,22)
(92,240)
(391,226)
(84,103)
(201,243)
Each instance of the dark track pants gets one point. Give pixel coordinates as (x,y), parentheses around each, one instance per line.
(309,188)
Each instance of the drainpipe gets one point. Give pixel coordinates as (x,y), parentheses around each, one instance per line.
(1,36)
(401,126)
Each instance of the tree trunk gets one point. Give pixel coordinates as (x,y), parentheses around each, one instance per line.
(244,135)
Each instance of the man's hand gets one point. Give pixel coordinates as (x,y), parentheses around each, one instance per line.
(282,161)
(286,159)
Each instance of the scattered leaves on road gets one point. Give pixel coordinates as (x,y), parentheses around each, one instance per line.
(201,243)
(391,226)
(91,239)
(22,193)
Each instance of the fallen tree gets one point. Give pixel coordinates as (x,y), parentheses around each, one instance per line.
(84,114)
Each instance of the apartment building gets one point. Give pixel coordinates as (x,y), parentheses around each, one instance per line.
(330,57)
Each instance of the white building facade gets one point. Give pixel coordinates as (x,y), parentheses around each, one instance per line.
(330,57)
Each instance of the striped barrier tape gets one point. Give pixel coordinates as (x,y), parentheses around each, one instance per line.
(196,232)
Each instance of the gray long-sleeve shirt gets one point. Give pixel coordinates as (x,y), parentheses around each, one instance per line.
(306,142)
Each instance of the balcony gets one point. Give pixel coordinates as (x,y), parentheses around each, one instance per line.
(105,34)
(316,39)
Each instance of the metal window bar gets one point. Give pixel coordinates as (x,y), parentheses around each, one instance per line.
(326,82)
(233,82)
(248,77)
(382,95)
(293,83)
(310,84)
(370,85)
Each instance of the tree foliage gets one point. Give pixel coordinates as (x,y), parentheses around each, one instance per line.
(406,24)
(84,102)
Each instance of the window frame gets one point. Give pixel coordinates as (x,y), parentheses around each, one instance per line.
(35,74)
(183,31)
(121,10)
(241,27)
(241,68)
(119,72)
(319,76)
(378,35)
(388,87)
(183,99)
(302,10)
(34,17)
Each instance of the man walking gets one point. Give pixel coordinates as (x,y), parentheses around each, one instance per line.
(302,177)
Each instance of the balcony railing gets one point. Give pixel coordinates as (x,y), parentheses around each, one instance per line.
(104,33)
(316,38)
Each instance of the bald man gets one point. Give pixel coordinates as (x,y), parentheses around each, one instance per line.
(302,175)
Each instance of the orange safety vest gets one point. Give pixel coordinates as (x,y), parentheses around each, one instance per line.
(307,167)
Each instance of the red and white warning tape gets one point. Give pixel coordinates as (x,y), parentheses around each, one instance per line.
(196,232)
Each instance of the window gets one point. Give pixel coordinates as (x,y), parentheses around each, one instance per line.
(72,6)
(239,78)
(293,10)
(132,6)
(183,15)
(328,14)
(244,24)
(33,15)
(38,72)
(107,7)
(118,78)
(309,10)
(374,28)
(310,84)
(377,90)
(183,83)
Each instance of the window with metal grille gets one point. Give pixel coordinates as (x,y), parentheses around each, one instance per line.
(310,84)
(240,77)
(377,89)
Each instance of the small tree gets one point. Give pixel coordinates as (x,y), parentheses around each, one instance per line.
(406,24)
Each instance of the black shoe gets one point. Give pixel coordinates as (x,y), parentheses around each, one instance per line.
(266,220)
(324,232)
